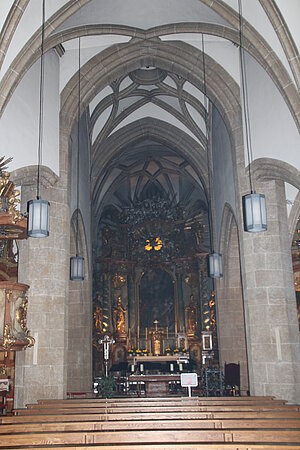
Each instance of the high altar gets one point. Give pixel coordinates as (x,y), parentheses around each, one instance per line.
(153,295)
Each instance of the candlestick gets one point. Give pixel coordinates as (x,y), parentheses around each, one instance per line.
(167,332)
(146,337)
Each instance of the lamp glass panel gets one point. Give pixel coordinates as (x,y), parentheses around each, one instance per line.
(38,218)
(77,268)
(255,216)
(215,265)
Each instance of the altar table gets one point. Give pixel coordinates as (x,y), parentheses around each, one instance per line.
(158,359)
(154,385)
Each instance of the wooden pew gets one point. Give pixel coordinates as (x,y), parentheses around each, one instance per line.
(107,409)
(154,403)
(182,436)
(173,446)
(157,405)
(151,424)
(149,416)
(210,423)
(165,400)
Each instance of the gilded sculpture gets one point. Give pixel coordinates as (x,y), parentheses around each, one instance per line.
(98,315)
(21,314)
(119,317)
(8,339)
(191,316)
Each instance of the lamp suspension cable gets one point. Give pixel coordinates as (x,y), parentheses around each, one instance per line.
(254,205)
(214,259)
(38,210)
(207,146)
(77,262)
(78,143)
(41,118)
(245,96)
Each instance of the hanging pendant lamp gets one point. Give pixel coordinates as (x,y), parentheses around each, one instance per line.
(214,259)
(38,210)
(254,211)
(254,205)
(77,262)
(215,265)
(77,268)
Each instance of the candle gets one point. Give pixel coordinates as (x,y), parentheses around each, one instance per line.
(180,367)
(171,367)
(167,332)
(141,368)
(132,368)
(146,337)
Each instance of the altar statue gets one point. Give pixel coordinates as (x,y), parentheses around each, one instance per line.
(119,317)
(98,316)
(191,316)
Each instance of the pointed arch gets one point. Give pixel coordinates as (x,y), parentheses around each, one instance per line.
(230,304)
(294,216)
(79,349)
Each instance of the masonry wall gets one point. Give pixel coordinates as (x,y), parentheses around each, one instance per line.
(43,265)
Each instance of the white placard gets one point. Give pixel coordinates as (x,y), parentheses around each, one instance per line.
(189,379)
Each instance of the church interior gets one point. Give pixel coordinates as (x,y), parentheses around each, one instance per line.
(149,200)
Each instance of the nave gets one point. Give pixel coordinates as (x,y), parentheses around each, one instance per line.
(214,423)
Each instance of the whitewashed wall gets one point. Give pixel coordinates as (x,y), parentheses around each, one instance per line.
(19,124)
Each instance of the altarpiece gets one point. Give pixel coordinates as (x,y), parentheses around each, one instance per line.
(152,293)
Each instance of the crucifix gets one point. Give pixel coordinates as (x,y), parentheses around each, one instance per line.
(106,341)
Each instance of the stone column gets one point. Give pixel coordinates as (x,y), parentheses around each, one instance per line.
(270,306)
(44,266)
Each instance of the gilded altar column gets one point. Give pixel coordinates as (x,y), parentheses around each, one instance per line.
(208,306)
(131,303)
(106,303)
(204,290)
(180,304)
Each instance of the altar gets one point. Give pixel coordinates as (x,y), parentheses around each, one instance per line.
(154,385)
(153,375)
(140,359)
(153,296)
